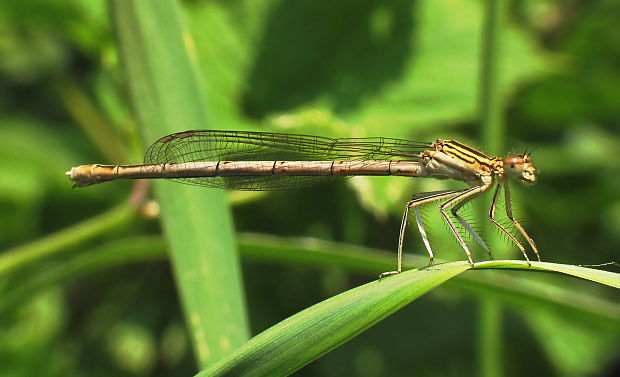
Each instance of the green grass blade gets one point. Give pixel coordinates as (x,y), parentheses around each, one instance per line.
(298,340)
(516,290)
(324,253)
(611,279)
(309,334)
(167,97)
(102,258)
(60,242)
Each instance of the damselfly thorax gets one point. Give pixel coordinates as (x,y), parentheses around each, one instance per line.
(243,160)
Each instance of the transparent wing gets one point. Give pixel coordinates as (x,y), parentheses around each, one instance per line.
(211,145)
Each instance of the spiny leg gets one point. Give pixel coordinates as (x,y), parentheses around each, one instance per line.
(420,222)
(422,230)
(472,192)
(500,226)
(516,223)
(401,239)
(468,227)
(424,198)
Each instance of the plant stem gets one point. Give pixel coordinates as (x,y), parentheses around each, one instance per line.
(490,101)
(59,242)
(490,332)
(492,134)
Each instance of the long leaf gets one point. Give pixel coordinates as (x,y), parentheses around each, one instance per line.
(296,341)
(600,276)
(167,97)
(309,334)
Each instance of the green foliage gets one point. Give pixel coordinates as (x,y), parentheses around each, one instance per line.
(85,286)
(166,94)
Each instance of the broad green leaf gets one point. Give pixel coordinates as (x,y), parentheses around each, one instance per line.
(560,334)
(395,69)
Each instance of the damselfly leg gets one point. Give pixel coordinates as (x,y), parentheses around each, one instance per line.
(468,194)
(515,222)
(456,198)
(417,200)
(500,226)
(465,224)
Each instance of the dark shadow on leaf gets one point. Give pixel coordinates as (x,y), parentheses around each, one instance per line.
(343,50)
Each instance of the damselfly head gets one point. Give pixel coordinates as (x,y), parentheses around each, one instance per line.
(520,166)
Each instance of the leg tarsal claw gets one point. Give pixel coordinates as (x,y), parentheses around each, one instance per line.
(388,273)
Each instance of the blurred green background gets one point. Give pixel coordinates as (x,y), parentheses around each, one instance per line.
(104,302)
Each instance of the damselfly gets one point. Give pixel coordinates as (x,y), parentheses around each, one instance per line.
(242,160)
